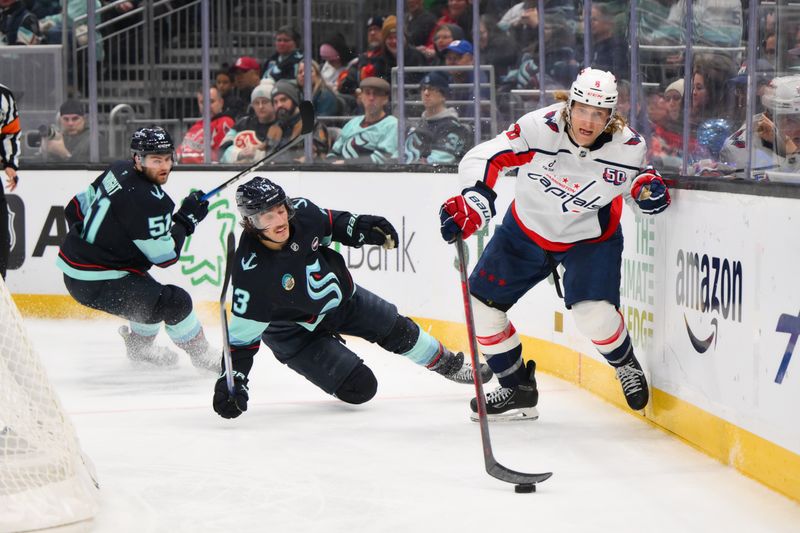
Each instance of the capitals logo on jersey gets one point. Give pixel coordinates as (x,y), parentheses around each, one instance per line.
(551,122)
(614,176)
(636,139)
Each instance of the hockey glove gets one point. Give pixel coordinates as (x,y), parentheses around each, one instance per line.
(192,211)
(650,192)
(468,212)
(227,405)
(376,230)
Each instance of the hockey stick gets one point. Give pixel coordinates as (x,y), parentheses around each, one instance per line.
(307,119)
(493,468)
(226,347)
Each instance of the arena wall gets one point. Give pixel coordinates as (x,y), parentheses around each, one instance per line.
(709,293)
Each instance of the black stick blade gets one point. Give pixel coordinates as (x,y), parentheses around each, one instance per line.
(307,116)
(498,471)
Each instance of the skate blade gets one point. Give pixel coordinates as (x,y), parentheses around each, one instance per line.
(515,415)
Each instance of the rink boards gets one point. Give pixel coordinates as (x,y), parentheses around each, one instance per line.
(709,293)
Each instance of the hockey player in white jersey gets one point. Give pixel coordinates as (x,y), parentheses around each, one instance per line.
(776,136)
(577,160)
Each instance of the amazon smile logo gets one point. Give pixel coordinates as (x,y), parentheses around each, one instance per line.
(701,346)
(711,286)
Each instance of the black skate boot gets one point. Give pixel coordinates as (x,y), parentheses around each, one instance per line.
(144,351)
(455,368)
(634,384)
(202,355)
(511,403)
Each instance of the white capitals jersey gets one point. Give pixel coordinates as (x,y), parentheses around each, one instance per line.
(565,193)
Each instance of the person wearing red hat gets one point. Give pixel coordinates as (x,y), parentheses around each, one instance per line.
(246,76)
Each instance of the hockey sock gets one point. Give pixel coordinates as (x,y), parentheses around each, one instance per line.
(508,366)
(407,339)
(148,331)
(185,330)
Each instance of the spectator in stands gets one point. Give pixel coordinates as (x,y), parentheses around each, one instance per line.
(77,10)
(71,141)
(738,86)
(458,12)
(420,23)
(443,35)
(710,99)
(371,137)
(360,67)
(286,101)
(769,47)
(412,56)
(191,148)
(496,47)
(439,138)
(716,22)
(284,62)
(247,140)
(233,106)
(325,102)
(665,147)
(246,77)
(609,45)
(460,53)
(336,56)
(18,25)
(776,133)
(521,22)
(374,27)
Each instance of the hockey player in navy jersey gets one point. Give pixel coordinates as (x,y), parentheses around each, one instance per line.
(295,293)
(119,227)
(577,160)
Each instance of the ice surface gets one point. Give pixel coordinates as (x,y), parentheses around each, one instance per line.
(409,460)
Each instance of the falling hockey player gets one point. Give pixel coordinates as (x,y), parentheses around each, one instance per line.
(577,161)
(294,292)
(119,227)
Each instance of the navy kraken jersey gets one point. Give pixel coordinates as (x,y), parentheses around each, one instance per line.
(120,224)
(299,283)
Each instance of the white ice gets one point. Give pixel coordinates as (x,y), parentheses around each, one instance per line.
(409,460)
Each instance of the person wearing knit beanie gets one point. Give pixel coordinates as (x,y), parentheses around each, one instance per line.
(288,88)
(389,26)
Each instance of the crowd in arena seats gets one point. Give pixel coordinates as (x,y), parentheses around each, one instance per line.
(353,86)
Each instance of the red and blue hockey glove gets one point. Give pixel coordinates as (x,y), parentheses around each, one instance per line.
(650,192)
(468,212)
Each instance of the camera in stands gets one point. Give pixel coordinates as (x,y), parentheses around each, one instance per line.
(34,138)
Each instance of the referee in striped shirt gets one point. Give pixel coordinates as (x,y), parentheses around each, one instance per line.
(9,160)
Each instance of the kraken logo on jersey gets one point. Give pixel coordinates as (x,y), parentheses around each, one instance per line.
(319,286)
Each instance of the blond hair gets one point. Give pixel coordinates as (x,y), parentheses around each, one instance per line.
(616,124)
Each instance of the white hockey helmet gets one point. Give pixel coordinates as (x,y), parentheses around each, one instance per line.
(782,95)
(595,87)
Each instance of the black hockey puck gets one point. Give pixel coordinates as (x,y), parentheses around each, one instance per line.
(524,488)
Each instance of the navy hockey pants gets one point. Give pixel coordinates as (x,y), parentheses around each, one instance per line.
(137,298)
(319,355)
(512,264)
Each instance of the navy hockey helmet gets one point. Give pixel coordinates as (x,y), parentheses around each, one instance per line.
(152,140)
(259,195)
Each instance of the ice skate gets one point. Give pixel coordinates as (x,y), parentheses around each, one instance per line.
(143,351)
(203,356)
(634,384)
(511,403)
(455,368)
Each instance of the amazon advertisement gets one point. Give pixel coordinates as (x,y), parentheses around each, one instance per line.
(732,306)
